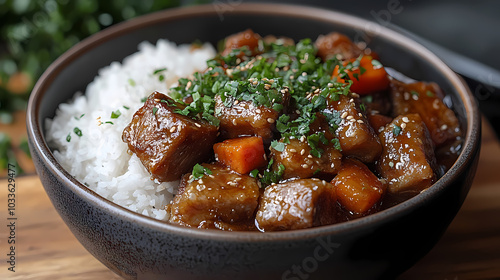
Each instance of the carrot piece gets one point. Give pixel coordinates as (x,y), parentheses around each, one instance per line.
(242,154)
(357,188)
(367,75)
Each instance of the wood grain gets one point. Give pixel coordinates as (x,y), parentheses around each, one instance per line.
(470,248)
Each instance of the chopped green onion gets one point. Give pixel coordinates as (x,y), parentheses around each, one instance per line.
(77,131)
(116,114)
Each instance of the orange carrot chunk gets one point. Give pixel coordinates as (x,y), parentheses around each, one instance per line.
(357,188)
(367,75)
(242,154)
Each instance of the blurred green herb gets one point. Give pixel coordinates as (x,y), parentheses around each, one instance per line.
(35,33)
(7,155)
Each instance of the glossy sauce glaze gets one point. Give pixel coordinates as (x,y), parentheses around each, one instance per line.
(281,135)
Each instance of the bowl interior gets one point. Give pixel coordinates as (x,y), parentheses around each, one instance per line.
(78,67)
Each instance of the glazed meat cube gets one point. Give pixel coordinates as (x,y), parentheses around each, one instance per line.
(357,138)
(299,163)
(378,121)
(407,162)
(358,189)
(425,99)
(224,200)
(245,119)
(168,144)
(336,45)
(246,38)
(297,204)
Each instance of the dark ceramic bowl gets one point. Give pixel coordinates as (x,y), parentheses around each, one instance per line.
(134,246)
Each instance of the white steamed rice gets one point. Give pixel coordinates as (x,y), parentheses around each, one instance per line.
(98,158)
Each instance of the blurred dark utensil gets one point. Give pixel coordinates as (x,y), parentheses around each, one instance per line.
(483,80)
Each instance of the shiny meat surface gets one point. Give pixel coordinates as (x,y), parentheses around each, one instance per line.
(245,38)
(407,162)
(299,163)
(245,119)
(357,138)
(167,143)
(425,99)
(223,200)
(297,204)
(336,45)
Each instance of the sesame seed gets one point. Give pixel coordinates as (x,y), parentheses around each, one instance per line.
(200,181)
(197,124)
(359,114)
(236,102)
(403,125)
(293,151)
(179,128)
(283,91)
(352,120)
(361,121)
(330,85)
(302,138)
(309,156)
(234,121)
(351,100)
(258,111)
(435,104)
(305,165)
(349,117)
(302,152)
(415,97)
(270,120)
(391,164)
(405,119)
(444,127)
(172,130)
(211,176)
(157,100)
(344,115)
(237,179)
(188,85)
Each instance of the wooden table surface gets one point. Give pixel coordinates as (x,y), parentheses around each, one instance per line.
(46,249)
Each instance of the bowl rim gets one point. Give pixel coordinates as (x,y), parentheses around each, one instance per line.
(36,135)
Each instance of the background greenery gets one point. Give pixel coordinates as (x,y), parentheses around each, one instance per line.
(33,33)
